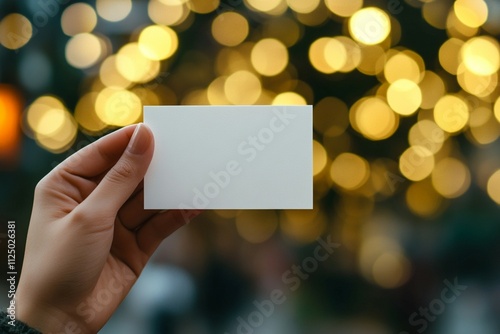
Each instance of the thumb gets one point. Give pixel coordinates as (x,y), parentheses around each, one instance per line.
(122,179)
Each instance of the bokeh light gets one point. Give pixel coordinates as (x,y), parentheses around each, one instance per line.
(202,6)
(134,66)
(317,52)
(118,107)
(403,66)
(451,113)
(169,13)
(484,128)
(254,65)
(243,87)
(370,26)
(331,114)
(436,13)
(497,109)
(158,42)
(433,88)
(451,178)
(113,10)
(315,18)
(472,13)
(215,92)
(449,55)
(344,8)
(374,119)
(406,128)
(381,260)
(15,31)
(423,200)
(404,96)
(85,114)
(456,28)
(352,54)
(37,111)
(78,18)
(256,226)
(10,116)
(428,134)
(391,270)
(302,226)
(109,74)
(284,29)
(273,7)
(372,60)
(53,126)
(416,163)
(84,50)
(303,7)
(289,98)
(481,55)
(493,187)
(319,158)
(269,57)
(478,85)
(230,29)
(349,171)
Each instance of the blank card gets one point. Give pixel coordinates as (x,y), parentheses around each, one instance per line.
(230,157)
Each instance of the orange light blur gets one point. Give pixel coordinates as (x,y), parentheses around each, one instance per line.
(10,130)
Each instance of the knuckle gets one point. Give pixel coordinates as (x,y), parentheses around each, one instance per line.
(123,170)
(79,215)
(42,185)
(96,220)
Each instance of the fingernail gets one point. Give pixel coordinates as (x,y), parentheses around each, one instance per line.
(140,140)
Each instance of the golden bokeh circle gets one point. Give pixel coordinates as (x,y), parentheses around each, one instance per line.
(370,25)
(451,113)
(15,31)
(451,178)
(416,163)
(269,57)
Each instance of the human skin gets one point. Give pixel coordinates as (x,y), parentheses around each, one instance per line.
(90,235)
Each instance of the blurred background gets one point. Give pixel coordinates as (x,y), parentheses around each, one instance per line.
(406,153)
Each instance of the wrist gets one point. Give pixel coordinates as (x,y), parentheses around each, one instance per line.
(48,320)
(9,324)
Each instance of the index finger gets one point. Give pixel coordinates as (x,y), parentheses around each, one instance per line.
(99,156)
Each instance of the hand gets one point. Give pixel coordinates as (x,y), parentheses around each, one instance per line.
(89,236)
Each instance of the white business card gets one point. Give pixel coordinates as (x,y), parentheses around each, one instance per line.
(230,157)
